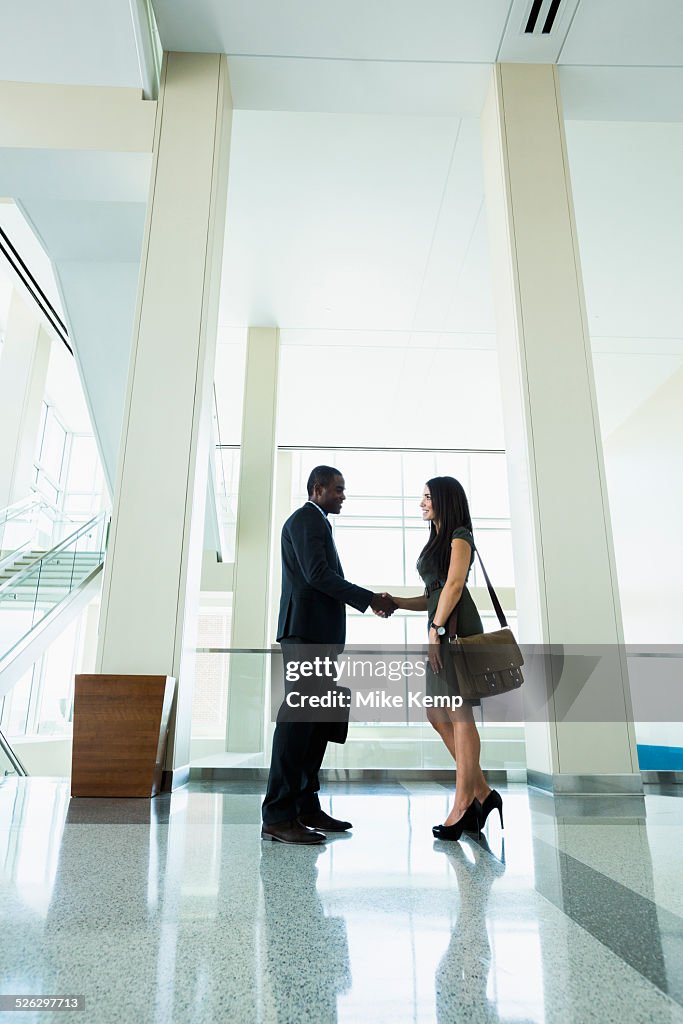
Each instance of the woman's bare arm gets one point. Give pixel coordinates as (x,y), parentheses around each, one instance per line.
(411,604)
(461,554)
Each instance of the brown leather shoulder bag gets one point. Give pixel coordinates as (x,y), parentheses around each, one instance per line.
(486,663)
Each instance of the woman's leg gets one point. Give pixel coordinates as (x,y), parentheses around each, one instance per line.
(470,781)
(460,728)
(440,720)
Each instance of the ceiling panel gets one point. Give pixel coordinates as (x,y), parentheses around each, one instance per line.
(412,398)
(446,283)
(628,32)
(74,42)
(332,219)
(626,180)
(537,46)
(432,340)
(90,231)
(457,30)
(624,382)
(622,94)
(352,86)
(85,176)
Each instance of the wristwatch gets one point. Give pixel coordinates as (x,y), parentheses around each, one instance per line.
(440,630)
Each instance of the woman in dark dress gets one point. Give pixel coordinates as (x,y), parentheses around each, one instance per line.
(444,565)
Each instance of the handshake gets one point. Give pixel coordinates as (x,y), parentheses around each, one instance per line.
(383,605)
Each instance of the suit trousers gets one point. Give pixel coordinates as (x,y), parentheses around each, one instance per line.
(298,752)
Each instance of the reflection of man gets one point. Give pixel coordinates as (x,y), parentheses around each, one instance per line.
(306,961)
(312,612)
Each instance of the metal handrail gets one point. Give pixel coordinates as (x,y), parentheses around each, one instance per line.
(11,756)
(55,511)
(38,501)
(19,508)
(90,525)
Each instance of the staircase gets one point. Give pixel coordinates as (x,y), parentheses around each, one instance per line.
(41,591)
(57,578)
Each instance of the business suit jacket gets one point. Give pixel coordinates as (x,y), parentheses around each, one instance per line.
(314,591)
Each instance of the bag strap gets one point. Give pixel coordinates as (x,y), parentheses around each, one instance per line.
(452,626)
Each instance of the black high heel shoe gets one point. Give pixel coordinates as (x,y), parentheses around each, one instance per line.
(494,799)
(470,821)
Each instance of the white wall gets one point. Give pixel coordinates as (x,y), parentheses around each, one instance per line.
(644,462)
(629,209)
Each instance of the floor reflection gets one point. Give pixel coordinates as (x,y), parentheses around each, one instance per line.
(308,962)
(462,977)
(175,911)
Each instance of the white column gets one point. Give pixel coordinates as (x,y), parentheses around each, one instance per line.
(251,606)
(564,562)
(23,373)
(152,575)
(282,509)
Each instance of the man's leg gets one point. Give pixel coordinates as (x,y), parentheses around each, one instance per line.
(308,802)
(310,812)
(291,741)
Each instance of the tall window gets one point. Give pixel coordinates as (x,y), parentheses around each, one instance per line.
(84,480)
(380,531)
(226,466)
(50,461)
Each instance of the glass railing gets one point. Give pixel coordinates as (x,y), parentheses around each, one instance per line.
(32,593)
(238,692)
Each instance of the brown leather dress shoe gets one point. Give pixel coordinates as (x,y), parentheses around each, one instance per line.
(324,822)
(292,833)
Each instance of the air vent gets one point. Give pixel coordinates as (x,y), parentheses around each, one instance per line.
(540,21)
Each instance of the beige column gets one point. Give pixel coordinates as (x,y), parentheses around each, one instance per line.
(282,509)
(564,561)
(24,362)
(247,688)
(152,576)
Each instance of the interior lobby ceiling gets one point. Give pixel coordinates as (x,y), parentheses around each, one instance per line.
(355,208)
(433,58)
(378,57)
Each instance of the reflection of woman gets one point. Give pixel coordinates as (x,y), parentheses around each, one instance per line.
(444,565)
(462,975)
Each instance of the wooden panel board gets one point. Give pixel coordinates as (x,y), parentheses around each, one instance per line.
(120,733)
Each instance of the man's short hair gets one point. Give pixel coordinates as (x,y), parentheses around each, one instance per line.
(321,475)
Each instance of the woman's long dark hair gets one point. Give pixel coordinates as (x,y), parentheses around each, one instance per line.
(451,510)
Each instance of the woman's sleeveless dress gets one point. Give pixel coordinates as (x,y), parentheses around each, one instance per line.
(469,621)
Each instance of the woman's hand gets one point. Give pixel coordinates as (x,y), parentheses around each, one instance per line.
(435,651)
(384,614)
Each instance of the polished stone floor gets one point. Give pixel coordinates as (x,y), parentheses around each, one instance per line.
(174,911)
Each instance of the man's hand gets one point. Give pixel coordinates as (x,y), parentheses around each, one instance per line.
(383,605)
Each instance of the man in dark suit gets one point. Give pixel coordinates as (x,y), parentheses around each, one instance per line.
(312,612)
